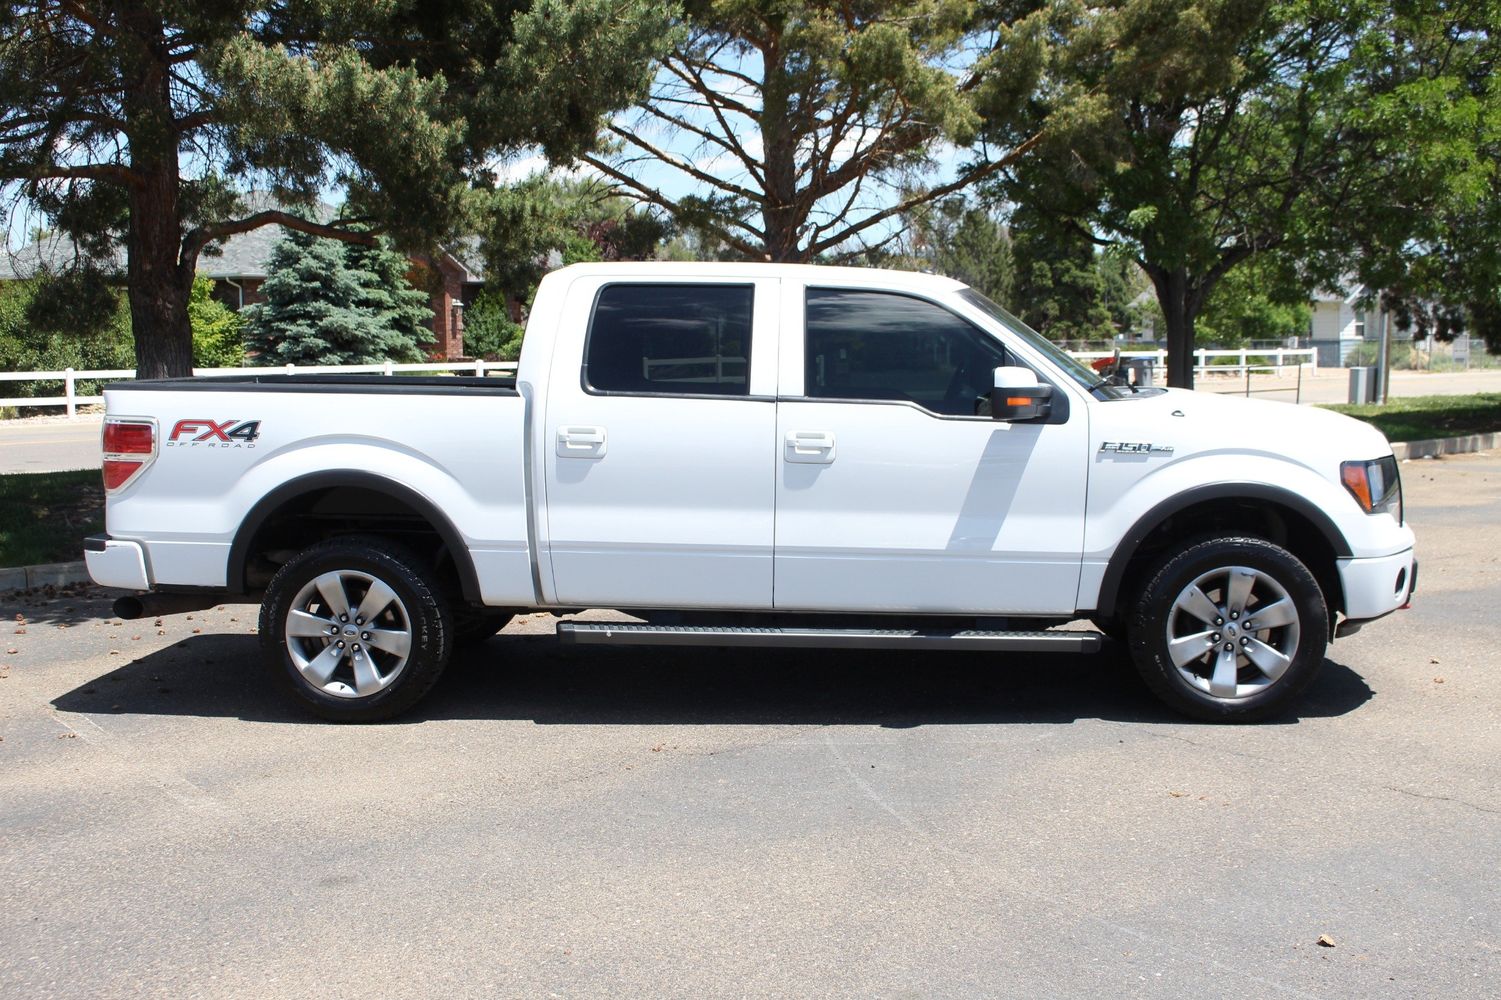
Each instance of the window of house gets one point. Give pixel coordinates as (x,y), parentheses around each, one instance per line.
(882,345)
(659,338)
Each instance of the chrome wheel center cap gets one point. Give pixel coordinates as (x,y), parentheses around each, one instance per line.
(1231,630)
(351,632)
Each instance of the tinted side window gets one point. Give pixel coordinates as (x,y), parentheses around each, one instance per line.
(671,338)
(879,345)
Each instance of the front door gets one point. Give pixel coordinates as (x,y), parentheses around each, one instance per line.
(893,495)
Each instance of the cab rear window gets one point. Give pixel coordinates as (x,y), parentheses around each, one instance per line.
(691,339)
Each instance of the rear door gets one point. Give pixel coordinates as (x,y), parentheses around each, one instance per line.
(660,459)
(893,494)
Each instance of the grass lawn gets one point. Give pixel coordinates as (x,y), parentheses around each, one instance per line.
(1417,418)
(44,515)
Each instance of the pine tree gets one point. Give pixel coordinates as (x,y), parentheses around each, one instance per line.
(331,303)
(131,124)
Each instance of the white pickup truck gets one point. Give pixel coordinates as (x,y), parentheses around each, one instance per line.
(756,454)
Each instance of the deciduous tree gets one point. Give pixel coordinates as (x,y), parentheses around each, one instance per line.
(1216,130)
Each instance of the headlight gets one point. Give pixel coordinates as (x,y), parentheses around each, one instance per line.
(1375,485)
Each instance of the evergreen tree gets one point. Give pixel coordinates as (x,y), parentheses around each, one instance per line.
(1058,291)
(132,123)
(324,308)
(802,111)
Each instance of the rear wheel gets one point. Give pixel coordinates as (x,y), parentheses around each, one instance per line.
(355,630)
(1230,629)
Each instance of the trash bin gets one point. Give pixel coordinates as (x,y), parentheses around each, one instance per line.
(1140,370)
(1363,384)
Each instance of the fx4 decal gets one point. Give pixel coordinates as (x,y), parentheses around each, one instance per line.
(214,433)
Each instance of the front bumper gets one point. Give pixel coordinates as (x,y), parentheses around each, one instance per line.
(1379,586)
(113,562)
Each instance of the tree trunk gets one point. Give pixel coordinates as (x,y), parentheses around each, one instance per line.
(158,291)
(1175,296)
(158,286)
(780,217)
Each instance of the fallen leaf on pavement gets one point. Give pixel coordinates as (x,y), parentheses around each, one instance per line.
(1325,941)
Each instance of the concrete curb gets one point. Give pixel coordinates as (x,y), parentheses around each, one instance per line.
(1434,447)
(53,574)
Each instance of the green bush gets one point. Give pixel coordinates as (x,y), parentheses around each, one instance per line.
(489,331)
(52,323)
(218,340)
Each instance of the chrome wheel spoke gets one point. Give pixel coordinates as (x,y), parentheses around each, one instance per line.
(1197,603)
(366,680)
(1209,659)
(331,586)
(322,635)
(1273,615)
(1223,683)
(321,667)
(1269,661)
(377,599)
(1238,590)
(308,626)
(389,640)
(1186,649)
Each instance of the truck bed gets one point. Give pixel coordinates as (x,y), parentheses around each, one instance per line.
(272,381)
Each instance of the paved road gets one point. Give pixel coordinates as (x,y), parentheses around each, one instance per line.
(601,823)
(50,444)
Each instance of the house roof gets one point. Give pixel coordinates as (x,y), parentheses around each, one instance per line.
(239,258)
(55,252)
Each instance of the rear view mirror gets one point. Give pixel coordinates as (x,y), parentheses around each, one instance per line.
(1018,395)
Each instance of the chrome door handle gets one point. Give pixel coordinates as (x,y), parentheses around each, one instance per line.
(581,442)
(810,447)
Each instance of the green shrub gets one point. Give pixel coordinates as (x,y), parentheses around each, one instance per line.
(217,330)
(489,331)
(51,323)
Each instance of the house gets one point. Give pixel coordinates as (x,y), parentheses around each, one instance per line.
(1343,319)
(238,269)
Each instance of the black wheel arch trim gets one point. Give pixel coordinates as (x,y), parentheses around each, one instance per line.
(1125,551)
(239,551)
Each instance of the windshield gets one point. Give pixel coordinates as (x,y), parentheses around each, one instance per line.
(1067,363)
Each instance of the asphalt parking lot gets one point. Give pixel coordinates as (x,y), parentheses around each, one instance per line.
(592,823)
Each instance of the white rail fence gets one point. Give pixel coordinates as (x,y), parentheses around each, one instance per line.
(1228,362)
(71,398)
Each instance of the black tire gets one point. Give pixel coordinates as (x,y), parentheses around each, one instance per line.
(416,609)
(1111,628)
(1266,668)
(472,626)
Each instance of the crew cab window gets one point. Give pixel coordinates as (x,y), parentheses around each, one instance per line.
(881,345)
(680,339)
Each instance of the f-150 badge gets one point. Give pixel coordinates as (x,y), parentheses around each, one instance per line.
(1136,448)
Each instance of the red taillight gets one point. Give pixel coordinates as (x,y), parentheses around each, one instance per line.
(129,446)
(129,439)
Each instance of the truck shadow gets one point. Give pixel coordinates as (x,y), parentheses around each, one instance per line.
(532,678)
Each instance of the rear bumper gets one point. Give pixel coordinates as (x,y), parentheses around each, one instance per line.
(115,563)
(1379,586)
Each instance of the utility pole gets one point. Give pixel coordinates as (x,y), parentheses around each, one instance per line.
(1386,355)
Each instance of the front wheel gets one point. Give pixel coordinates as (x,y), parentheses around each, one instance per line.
(1229,629)
(354,629)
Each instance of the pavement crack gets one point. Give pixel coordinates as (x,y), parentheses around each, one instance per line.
(1442,798)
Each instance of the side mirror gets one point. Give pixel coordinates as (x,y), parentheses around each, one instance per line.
(1018,396)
